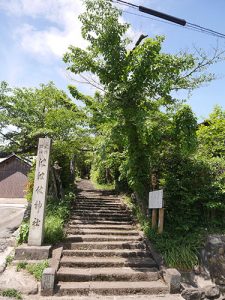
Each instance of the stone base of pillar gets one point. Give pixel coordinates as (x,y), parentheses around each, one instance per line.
(25,252)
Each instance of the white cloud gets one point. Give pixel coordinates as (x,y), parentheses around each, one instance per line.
(53,40)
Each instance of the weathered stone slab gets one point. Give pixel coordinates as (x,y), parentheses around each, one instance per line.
(172,278)
(25,252)
(47,282)
(20,281)
(36,232)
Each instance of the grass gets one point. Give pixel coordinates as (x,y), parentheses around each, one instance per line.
(104,187)
(12,293)
(37,269)
(34,269)
(179,250)
(57,213)
(23,234)
(21,266)
(9,259)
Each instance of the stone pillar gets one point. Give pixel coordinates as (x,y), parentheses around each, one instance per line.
(48,282)
(40,191)
(172,277)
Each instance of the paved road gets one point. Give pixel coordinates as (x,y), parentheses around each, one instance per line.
(11,216)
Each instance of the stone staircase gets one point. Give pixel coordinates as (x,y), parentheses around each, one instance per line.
(103,253)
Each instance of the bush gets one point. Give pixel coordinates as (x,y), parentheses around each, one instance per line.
(179,251)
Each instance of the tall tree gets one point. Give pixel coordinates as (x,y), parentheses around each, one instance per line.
(136,81)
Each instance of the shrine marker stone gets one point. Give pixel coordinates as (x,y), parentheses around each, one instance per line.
(40,191)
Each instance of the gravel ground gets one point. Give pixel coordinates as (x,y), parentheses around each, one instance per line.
(94,297)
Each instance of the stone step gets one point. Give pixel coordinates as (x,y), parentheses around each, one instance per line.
(98,201)
(102,226)
(110,245)
(98,198)
(101,218)
(108,253)
(101,238)
(100,214)
(98,262)
(110,206)
(100,211)
(95,204)
(107,274)
(100,222)
(112,288)
(101,232)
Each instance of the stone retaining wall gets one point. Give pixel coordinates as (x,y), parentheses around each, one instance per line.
(212,258)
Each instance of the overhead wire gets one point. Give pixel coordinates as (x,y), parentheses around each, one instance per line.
(167,22)
(170,19)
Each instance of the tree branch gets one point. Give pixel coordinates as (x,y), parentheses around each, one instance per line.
(88,81)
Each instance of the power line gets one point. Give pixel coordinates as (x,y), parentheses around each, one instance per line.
(127,3)
(169,18)
(166,22)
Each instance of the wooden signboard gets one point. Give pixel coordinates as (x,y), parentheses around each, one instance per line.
(156,203)
(156,199)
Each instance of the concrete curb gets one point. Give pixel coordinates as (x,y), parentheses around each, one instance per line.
(49,274)
(3,256)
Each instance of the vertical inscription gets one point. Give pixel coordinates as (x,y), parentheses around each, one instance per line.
(36,233)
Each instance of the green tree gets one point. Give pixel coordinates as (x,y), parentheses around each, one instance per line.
(211,151)
(136,82)
(27,114)
(211,135)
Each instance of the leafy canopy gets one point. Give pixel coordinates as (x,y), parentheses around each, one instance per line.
(138,82)
(29,113)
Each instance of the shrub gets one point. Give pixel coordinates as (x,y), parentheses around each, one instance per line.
(179,251)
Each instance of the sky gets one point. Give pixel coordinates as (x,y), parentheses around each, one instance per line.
(35,34)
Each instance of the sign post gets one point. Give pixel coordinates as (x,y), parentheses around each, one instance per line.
(155,203)
(36,232)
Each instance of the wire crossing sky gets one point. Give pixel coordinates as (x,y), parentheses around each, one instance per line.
(170,18)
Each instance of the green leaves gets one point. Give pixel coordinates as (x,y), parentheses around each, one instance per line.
(27,114)
(138,125)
